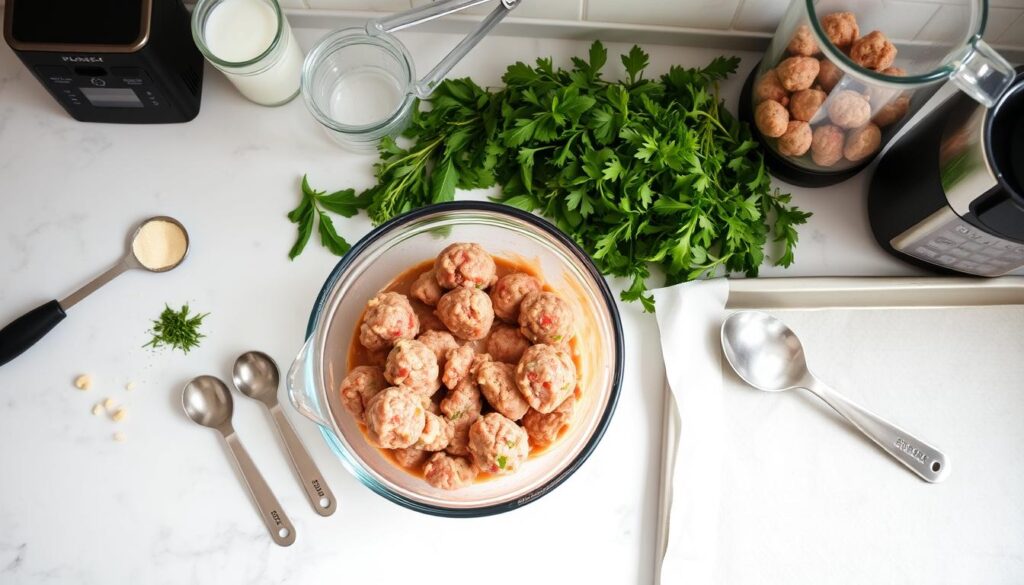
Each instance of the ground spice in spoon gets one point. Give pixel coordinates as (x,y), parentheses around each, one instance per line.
(159,244)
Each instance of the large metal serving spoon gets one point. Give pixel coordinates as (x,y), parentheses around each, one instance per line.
(206,400)
(256,375)
(767,355)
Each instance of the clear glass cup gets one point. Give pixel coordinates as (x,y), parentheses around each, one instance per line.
(272,77)
(372,263)
(824,109)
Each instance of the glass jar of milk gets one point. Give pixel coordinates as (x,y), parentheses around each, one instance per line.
(251,42)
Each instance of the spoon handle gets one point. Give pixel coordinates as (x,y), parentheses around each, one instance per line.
(279,526)
(312,480)
(923,459)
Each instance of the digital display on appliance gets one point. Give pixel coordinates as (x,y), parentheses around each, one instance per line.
(111,97)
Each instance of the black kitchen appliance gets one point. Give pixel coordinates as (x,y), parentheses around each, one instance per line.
(949,195)
(122,61)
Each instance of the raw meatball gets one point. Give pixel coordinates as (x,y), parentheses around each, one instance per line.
(394,419)
(848,109)
(827,145)
(892,112)
(465,265)
(546,318)
(426,289)
(462,361)
(546,376)
(796,73)
(449,473)
(440,342)
(828,75)
(508,293)
(497,383)
(413,366)
(410,457)
(873,51)
(862,143)
(543,429)
(841,28)
(359,386)
(805,104)
(462,408)
(466,312)
(771,118)
(377,357)
(895,71)
(497,444)
(803,42)
(437,433)
(797,139)
(506,344)
(389,317)
(768,87)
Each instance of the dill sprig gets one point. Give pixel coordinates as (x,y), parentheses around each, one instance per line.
(177,329)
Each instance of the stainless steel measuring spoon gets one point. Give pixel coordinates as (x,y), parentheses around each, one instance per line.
(767,355)
(206,401)
(25,331)
(256,375)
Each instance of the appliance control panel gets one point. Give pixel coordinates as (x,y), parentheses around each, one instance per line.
(101,87)
(947,240)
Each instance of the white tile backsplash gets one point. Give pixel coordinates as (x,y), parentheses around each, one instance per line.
(375,5)
(714,14)
(1014,34)
(759,15)
(550,9)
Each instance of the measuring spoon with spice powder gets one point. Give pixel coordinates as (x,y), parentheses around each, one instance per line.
(159,244)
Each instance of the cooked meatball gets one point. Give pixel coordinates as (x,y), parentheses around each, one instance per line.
(440,342)
(768,87)
(359,386)
(508,293)
(546,376)
(771,118)
(413,366)
(462,408)
(465,265)
(848,109)
(389,317)
(437,433)
(803,42)
(873,51)
(892,111)
(546,318)
(394,418)
(829,75)
(497,383)
(543,429)
(862,142)
(797,139)
(841,28)
(425,289)
(497,444)
(805,104)
(410,457)
(466,312)
(827,145)
(797,73)
(506,344)
(449,473)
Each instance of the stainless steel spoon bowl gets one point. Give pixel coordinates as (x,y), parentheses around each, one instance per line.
(207,401)
(768,355)
(256,375)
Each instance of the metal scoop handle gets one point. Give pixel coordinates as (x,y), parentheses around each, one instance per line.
(410,18)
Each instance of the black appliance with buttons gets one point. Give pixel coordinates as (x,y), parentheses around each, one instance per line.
(122,61)
(949,195)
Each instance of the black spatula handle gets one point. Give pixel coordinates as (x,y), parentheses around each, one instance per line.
(25,331)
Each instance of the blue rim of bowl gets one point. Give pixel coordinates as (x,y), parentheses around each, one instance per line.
(606,294)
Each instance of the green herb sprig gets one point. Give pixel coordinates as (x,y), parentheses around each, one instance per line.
(177,329)
(311,210)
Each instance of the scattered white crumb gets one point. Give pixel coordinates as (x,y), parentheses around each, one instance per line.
(129,386)
(119,415)
(108,403)
(97,409)
(83,382)
(119,437)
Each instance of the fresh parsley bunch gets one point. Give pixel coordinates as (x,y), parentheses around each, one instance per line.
(639,172)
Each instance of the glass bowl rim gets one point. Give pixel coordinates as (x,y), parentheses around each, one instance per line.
(604,292)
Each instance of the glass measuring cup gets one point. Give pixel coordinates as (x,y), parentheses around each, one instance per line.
(841,90)
(360,83)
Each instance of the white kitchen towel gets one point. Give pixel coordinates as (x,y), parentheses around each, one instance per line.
(775,488)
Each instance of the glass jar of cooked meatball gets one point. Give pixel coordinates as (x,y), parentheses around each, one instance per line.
(836,83)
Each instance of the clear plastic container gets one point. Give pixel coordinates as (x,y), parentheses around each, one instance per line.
(833,88)
(371,264)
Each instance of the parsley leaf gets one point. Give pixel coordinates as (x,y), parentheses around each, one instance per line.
(502,461)
(308,212)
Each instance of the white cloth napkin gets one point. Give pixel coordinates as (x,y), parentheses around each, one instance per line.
(775,488)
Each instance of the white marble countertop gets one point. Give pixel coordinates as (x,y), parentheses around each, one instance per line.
(166,506)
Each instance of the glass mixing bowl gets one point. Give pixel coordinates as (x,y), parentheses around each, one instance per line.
(389,250)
